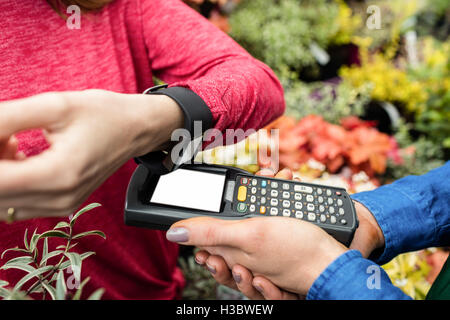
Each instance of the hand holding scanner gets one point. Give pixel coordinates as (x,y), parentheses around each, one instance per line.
(158,201)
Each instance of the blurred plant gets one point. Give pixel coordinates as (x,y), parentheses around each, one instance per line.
(358,146)
(50,277)
(281,33)
(415,156)
(409,272)
(329,100)
(389,83)
(200,285)
(434,75)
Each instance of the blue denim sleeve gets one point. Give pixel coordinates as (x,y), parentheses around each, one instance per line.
(413,213)
(351,277)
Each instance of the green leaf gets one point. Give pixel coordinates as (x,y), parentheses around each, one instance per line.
(54,234)
(75,263)
(84,210)
(61,288)
(62,224)
(33,242)
(77,295)
(83,256)
(14,249)
(24,260)
(49,289)
(89,233)
(44,252)
(4,293)
(97,295)
(20,266)
(48,256)
(25,239)
(31,275)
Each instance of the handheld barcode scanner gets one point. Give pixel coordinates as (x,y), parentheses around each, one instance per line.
(162,191)
(157,201)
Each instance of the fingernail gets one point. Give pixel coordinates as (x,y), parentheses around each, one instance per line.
(198,261)
(178,235)
(20,155)
(266,172)
(259,289)
(211,269)
(237,277)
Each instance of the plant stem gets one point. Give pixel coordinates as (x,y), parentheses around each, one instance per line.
(56,268)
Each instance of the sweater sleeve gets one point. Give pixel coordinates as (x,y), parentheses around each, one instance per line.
(186,50)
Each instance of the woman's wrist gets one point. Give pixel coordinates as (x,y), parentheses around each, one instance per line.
(154,118)
(372,231)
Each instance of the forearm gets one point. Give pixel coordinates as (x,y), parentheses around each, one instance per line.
(351,277)
(412,212)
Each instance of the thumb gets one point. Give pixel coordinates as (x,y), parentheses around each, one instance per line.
(207,232)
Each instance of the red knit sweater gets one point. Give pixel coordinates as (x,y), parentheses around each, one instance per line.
(119,49)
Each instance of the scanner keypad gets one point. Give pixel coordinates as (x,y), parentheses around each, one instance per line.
(263,196)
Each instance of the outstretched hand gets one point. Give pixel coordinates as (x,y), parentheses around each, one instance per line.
(267,260)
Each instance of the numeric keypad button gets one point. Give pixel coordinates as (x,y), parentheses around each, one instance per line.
(298,205)
(285,186)
(286,195)
(311,216)
(305,189)
(299,214)
(274,193)
(309,198)
(310,207)
(286,213)
(339,202)
(298,196)
(253,199)
(273,211)
(286,203)
(252,208)
(273,202)
(341,211)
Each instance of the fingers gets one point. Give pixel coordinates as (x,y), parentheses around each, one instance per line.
(271,291)
(218,269)
(244,281)
(39,111)
(285,174)
(208,232)
(26,175)
(8,149)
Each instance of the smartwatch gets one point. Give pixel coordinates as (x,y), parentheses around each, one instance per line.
(197,119)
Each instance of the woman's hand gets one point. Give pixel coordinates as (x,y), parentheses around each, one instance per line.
(91,134)
(367,238)
(290,253)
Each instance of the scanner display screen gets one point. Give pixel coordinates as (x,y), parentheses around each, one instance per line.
(190,189)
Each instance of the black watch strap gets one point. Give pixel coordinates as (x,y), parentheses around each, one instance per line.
(195,111)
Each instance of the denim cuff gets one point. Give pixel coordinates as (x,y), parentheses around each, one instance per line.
(403,225)
(351,277)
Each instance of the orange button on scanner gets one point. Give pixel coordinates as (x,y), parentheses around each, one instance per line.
(262,210)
